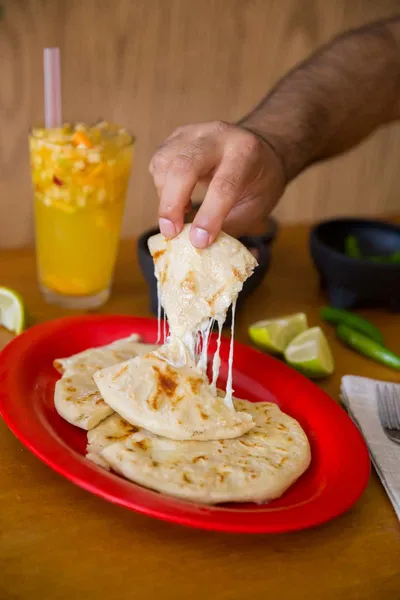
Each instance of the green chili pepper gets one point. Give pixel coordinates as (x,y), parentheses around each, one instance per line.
(338,316)
(390,259)
(351,247)
(368,347)
(379,259)
(395,257)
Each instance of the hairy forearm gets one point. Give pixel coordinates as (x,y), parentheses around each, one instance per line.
(333,100)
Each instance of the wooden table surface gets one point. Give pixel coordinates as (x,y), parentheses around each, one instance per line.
(59,542)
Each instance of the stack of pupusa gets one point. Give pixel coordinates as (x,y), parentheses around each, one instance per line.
(172,431)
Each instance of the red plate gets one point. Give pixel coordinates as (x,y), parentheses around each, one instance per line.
(337,476)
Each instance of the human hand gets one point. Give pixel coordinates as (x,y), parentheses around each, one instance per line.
(245,180)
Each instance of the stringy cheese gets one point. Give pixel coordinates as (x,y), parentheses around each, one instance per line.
(223,276)
(195,345)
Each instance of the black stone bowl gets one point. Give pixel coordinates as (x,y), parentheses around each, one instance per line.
(260,244)
(357,281)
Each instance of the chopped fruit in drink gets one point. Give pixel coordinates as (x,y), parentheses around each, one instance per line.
(81,139)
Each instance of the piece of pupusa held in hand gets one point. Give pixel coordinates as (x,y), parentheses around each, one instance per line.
(196,288)
(198,285)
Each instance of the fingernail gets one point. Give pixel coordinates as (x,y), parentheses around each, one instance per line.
(199,237)
(167,227)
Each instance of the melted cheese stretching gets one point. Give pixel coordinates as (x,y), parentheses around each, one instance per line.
(196,288)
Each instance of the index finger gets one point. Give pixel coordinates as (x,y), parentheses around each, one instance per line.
(162,157)
(167,151)
(192,162)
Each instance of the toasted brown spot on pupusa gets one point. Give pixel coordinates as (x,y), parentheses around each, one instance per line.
(143,444)
(120,372)
(129,430)
(189,283)
(211,301)
(197,458)
(91,396)
(247,444)
(163,276)
(167,380)
(195,384)
(176,400)
(203,414)
(57,365)
(166,384)
(238,274)
(157,254)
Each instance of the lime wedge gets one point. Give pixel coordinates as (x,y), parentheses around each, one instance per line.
(274,335)
(309,353)
(12,310)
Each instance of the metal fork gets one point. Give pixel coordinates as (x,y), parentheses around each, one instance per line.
(389,411)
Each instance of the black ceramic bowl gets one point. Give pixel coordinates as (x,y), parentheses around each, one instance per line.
(260,244)
(357,281)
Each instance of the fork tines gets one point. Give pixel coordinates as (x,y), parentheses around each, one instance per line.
(389,406)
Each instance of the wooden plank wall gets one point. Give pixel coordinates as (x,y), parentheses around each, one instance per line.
(154,64)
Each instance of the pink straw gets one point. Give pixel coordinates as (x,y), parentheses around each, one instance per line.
(52,88)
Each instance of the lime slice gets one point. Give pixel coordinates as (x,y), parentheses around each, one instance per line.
(12,310)
(274,335)
(309,353)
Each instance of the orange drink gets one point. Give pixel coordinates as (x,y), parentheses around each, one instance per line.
(80,176)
